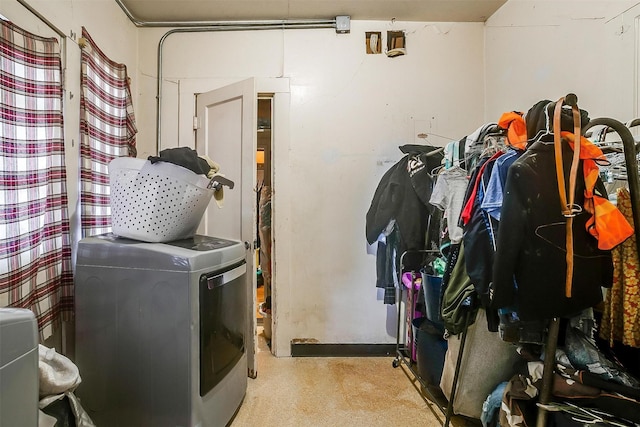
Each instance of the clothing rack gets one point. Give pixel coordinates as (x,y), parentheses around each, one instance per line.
(630,153)
(403,353)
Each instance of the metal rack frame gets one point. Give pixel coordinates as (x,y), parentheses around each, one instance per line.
(403,352)
(630,152)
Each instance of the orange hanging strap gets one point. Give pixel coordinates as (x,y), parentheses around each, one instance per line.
(557,145)
(568,207)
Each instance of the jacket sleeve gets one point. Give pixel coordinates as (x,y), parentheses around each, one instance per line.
(382,208)
(513,220)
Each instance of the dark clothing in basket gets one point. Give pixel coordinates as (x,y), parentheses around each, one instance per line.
(185,157)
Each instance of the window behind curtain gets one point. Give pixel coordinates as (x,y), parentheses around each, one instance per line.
(107,128)
(35,251)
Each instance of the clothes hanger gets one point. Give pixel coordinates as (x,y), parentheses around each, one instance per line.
(436,171)
(436,151)
(599,137)
(567,104)
(547,128)
(633,123)
(489,151)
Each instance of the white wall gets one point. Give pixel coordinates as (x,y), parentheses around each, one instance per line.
(348,114)
(545,49)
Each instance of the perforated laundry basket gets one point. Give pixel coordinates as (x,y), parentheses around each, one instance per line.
(158,202)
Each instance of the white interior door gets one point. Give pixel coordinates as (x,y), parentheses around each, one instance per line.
(227,135)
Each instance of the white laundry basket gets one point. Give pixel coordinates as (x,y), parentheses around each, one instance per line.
(158,202)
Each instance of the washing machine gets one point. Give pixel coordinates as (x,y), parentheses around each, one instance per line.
(161,331)
(19,373)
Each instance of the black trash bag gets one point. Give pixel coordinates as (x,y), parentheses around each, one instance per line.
(60,409)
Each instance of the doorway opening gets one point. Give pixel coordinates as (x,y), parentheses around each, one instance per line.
(264,207)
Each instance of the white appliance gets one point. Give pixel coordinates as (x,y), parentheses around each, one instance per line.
(160,331)
(19,373)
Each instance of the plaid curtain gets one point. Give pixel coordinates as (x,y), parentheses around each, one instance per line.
(107,129)
(35,251)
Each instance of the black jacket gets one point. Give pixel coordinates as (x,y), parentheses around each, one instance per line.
(531,243)
(478,244)
(403,194)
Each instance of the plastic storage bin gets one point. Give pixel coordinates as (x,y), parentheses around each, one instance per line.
(431,349)
(432,287)
(158,202)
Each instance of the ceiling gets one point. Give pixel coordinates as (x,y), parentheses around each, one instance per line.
(166,11)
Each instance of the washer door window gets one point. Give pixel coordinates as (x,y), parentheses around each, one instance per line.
(223,308)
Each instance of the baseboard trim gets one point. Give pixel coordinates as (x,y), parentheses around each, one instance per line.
(341,350)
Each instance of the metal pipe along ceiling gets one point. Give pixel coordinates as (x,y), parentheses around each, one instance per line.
(214,26)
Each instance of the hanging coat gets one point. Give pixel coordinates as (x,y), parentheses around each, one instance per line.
(403,195)
(531,243)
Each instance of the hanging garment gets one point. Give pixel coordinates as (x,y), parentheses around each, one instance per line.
(448,196)
(36,270)
(402,195)
(516,127)
(475,140)
(386,263)
(621,317)
(264,231)
(451,258)
(606,223)
(539,121)
(454,154)
(107,131)
(465,216)
(494,194)
(459,296)
(533,251)
(479,243)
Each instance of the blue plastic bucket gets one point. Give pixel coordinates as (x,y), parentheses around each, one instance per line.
(432,288)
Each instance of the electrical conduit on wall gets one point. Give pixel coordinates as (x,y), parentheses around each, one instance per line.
(214,26)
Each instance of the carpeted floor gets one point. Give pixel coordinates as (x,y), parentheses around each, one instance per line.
(329,392)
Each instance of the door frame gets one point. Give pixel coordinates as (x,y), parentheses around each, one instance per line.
(181,103)
(281,280)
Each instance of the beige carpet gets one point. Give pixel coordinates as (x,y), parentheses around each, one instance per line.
(318,392)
